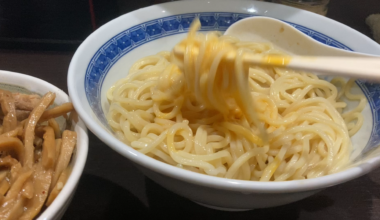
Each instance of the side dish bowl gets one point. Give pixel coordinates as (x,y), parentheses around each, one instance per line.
(19,82)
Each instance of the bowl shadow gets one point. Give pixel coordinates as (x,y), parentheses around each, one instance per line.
(99,198)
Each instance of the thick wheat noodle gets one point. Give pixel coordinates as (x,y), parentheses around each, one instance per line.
(18,208)
(69,140)
(28,190)
(58,187)
(12,144)
(48,143)
(31,123)
(12,133)
(48,146)
(7,161)
(58,144)
(202,111)
(4,184)
(16,170)
(54,124)
(13,194)
(57,111)
(3,174)
(41,182)
(8,108)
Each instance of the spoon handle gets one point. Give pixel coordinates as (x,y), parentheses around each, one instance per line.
(363,68)
(356,67)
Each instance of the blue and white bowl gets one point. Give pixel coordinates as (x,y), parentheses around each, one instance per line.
(107,54)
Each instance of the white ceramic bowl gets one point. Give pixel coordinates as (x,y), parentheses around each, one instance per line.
(106,55)
(13,81)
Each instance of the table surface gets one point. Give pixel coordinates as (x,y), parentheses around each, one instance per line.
(112,188)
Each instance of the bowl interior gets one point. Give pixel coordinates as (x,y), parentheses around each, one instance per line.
(163,34)
(112,50)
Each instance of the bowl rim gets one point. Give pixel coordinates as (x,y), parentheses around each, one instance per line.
(81,152)
(192,177)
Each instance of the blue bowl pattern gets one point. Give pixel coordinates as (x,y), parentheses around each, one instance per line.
(127,40)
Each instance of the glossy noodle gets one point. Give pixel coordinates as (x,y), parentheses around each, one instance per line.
(202,112)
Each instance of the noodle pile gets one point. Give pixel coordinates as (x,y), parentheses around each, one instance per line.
(34,153)
(203,112)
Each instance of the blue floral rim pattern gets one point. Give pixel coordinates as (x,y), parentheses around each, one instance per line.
(129,39)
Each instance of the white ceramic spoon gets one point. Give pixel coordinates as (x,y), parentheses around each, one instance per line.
(307,54)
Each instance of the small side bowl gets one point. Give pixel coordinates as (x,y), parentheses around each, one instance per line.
(35,85)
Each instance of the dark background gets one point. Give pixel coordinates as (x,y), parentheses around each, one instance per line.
(61,25)
(39,37)
(57,24)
